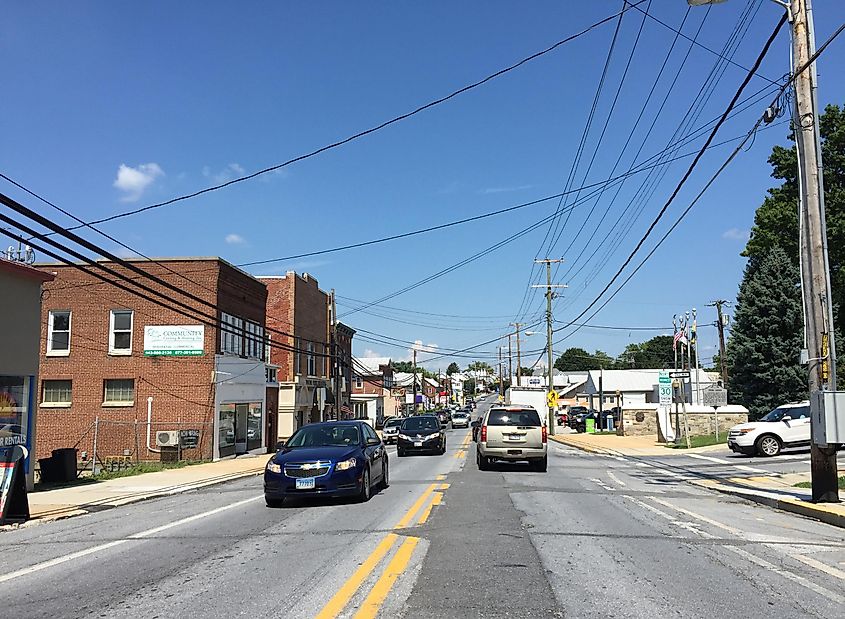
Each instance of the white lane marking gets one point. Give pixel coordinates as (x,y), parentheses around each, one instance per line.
(94,549)
(743,553)
(602,484)
(620,458)
(616,479)
(741,467)
(824,567)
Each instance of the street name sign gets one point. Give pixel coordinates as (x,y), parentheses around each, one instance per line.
(679,374)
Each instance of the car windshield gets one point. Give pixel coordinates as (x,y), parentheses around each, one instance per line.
(795,412)
(325,436)
(522,417)
(416,424)
(392,423)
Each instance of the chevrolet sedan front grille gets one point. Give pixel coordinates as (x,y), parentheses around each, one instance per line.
(309,469)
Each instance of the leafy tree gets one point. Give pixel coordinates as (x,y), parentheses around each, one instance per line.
(480,366)
(403,366)
(453,368)
(776,220)
(601,360)
(654,353)
(575,360)
(527,371)
(469,386)
(766,338)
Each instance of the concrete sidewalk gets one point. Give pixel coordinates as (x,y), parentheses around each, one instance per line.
(89,497)
(779,492)
(613,445)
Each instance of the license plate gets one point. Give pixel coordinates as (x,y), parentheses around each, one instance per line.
(417,443)
(306,484)
(515,437)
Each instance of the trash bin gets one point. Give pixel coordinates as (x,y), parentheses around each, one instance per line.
(609,423)
(47,470)
(591,425)
(64,463)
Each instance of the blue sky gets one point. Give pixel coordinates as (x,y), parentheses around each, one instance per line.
(112,106)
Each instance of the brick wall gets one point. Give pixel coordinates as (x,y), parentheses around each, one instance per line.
(296,305)
(182,387)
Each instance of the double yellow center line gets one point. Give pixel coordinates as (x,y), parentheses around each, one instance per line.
(378,594)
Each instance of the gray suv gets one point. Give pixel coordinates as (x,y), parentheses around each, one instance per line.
(512,433)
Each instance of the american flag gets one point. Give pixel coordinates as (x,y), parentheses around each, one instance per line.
(680,336)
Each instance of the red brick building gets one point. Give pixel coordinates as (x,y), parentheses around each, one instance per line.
(343,339)
(297,306)
(122,371)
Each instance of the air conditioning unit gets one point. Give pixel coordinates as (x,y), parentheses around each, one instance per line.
(167,438)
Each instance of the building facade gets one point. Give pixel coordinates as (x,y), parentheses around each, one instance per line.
(298,309)
(19,315)
(123,377)
(343,367)
(372,383)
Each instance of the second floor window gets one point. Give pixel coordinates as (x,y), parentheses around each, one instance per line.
(58,333)
(231,330)
(120,332)
(359,382)
(312,361)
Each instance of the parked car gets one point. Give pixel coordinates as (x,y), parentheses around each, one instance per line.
(391,429)
(512,433)
(574,411)
(460,420)
(335,458)
(422,433)
(784,427)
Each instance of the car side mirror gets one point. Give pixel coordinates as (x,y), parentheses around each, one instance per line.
(786,418)
(373,441)
(280,445)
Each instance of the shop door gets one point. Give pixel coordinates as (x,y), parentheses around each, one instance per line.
(241,414)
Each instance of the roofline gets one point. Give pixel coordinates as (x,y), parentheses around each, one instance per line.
(26,271)
(151,260)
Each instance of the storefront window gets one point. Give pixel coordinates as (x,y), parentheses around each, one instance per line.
(254,426)
(14,410)
(226,430)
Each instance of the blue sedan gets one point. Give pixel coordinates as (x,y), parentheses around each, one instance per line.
(337,458)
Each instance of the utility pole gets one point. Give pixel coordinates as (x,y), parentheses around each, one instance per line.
(721,322)
(501,382)
(549,296)
(415,381)
(337,363)
(510,359)
(518,356)
(818,311)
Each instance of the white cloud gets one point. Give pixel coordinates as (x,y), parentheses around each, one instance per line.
(235,239)
(230,172)
(133,181)
(371,354)
(736,234)
(505,189)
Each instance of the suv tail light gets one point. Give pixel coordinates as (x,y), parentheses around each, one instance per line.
(545,435)
(483,438)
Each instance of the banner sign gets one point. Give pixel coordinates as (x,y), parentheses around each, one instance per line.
(14,505)
(174,341)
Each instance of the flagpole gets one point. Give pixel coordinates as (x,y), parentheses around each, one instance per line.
(695,341)
(675,339)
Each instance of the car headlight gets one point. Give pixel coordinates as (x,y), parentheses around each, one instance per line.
(346,464)
(273,467)
(746,430)
(431,436)
(404,437)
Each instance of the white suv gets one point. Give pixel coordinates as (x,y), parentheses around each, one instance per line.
(512,433)
(785,426)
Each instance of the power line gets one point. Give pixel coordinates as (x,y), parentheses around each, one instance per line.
(369,131)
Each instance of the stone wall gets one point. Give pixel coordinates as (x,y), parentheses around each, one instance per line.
(641,420)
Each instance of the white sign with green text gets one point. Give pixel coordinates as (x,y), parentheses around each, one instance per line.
(174,340)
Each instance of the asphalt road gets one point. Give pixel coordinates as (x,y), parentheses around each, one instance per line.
(594,537)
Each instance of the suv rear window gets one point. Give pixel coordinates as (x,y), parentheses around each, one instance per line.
(523,417)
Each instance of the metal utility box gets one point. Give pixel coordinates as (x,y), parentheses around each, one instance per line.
(827,413)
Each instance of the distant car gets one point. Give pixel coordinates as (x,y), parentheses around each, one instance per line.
(443,418)
(421,434)
(512,433)
(574,411)
(335,458)
(391,429)
(460,420)
(786,426)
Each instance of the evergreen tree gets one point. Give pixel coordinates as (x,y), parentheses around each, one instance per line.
(453,368)
(766,339)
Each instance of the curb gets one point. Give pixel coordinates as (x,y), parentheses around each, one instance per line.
(794,506)
(80,510)
(588,448)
